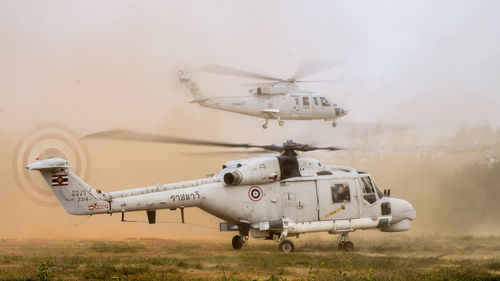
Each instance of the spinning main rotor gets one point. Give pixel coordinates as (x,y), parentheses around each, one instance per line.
(307,68)
(288,148)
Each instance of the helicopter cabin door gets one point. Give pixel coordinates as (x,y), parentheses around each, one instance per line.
(299,200)
(338,199)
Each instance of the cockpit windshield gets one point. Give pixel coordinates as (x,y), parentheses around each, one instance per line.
(324,102)
(368,190)
(377,189)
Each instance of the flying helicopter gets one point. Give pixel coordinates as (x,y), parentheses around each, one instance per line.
(272,196)
(281,99)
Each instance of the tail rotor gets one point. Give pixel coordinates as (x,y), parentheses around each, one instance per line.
(43,142)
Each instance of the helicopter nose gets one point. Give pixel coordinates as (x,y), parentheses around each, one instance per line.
(402,210)
(339,111)
(343,111)
(402,213)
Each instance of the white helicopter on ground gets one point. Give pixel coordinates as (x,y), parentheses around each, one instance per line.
(273,196)
(282,99)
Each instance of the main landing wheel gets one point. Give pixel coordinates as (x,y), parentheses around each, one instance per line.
(281,123)
(264,126)
(286,246)
(334,124)
(237,242)
(347,246)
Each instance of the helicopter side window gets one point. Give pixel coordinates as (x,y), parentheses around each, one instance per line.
(315,101)
(305,101)
(340,193)
(368,190)
(324,102)
(297,101)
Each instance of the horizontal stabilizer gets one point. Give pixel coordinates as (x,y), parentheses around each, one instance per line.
(198,100)
(49,164)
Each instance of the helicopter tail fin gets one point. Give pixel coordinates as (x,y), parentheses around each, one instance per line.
(76,196)
(192,86)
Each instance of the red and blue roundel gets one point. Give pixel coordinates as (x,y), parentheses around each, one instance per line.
(255,193)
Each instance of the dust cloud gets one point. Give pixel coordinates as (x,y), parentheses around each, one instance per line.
(91,66)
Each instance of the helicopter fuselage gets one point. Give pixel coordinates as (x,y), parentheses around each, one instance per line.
(299,106)
(271,195)
(281,101)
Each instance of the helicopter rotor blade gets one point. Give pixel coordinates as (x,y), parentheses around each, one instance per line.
(311,66)
(146,137)
(414,148)
(316,81)
(256,84)
(288,146)
(224,70)
(225,153)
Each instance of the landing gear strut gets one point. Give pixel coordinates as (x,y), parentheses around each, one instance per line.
(264,126)
(280,122)
(242,238)
(285,246)
(344,244)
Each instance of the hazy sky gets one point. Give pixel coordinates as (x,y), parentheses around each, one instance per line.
(96,65)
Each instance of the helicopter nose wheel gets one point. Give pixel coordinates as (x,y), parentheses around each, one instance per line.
(334,124)
(238,242)
(286,246)
(281,123)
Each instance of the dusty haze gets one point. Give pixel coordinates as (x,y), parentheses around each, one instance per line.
(92,65)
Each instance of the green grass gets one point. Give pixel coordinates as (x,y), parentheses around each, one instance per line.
(400,258)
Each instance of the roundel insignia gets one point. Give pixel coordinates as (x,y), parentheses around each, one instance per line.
(255,193)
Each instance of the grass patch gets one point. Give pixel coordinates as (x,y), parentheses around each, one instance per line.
(420,258)
(114,247)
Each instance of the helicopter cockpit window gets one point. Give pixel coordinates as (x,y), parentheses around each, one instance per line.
(368,190)
(340,193)
(377,189)
(324,102)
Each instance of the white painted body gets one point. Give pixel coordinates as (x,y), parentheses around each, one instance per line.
(282,101)
(287,106)
(300,204)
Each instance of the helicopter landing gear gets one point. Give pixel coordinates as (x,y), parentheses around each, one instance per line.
(344,244)
(286,246)
(280,122)
(238,242)
(264,126)
(334,124)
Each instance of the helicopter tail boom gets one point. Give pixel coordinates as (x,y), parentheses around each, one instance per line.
(76,196)
(192,86)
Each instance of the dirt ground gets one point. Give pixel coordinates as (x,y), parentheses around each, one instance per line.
(400,257)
